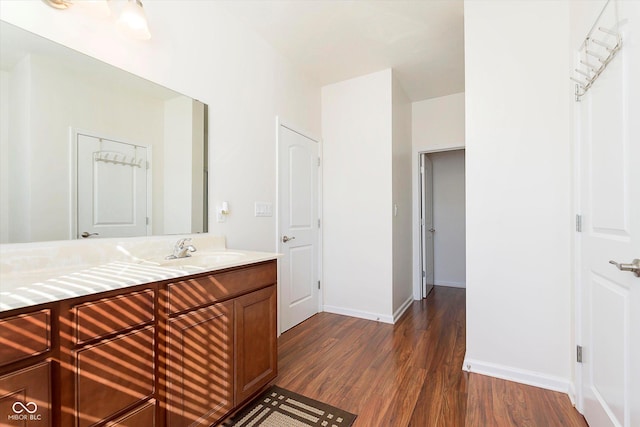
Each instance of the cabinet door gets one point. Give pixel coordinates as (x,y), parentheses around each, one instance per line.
(256,342)
(200,366)
(25,397)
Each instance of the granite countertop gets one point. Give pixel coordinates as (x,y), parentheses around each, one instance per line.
(34,277)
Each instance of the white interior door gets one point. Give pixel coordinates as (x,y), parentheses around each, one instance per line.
(609,127)
(426,224)
(111,188)
(298,226)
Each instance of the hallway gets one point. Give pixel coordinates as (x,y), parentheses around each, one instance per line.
(409,374)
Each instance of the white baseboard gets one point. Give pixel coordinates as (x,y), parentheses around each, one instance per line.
(517,375)
(358,313)
(572,393)
(450,284)
(400,311)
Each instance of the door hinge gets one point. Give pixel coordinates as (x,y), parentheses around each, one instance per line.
(147,220)
(318,284)
(579,353)
(148,165)
(424,274)
(318,161)
(318,222)
(578,223)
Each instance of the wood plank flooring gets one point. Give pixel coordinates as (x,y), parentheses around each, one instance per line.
(409,374)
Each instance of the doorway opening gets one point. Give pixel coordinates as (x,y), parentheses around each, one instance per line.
(442,220)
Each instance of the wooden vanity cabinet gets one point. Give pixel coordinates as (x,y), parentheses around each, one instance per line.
(219,355)
(25,369)
(166,354)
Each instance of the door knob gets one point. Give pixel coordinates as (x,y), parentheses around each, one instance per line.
(633,267)
(86,234)
(285,239)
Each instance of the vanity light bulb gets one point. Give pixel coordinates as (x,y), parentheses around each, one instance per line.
(133,22)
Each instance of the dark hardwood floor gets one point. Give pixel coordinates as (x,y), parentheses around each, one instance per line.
(409,374)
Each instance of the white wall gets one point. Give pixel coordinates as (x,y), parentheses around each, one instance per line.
(401,187)
(198,135)
(183,166)
(449,218)
(200,50)
(518,174)
(4,157)
(437,124)
(357,196)
(19,216)
(366,128)
(178,154)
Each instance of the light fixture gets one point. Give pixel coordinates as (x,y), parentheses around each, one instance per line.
(101,5)
(223,211)
(133,22)
(58,4)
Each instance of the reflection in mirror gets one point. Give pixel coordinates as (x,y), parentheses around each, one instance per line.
(89,148)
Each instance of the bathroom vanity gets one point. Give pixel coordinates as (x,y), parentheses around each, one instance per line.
(181,351)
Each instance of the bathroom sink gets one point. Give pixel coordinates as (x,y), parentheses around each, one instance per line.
(205,258)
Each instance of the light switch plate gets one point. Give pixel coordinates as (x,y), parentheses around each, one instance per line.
(263,209)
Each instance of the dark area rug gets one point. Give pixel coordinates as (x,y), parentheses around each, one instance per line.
(277,407)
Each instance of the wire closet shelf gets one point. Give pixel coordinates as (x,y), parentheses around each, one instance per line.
(596,52)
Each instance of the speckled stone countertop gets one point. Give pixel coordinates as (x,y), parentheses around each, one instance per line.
(36,273)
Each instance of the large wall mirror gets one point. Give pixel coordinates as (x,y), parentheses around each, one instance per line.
(88,150)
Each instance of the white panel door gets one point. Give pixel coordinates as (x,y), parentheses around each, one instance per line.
(298,224)
(610,203)
(426,224)
(111,188)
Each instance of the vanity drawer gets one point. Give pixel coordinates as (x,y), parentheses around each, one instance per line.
(114,375)
(24,336)
(200,291)
(97,319)
(144,416)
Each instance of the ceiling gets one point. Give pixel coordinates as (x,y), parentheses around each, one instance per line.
(335,40)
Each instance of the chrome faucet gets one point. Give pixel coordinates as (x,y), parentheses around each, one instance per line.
(181,249)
